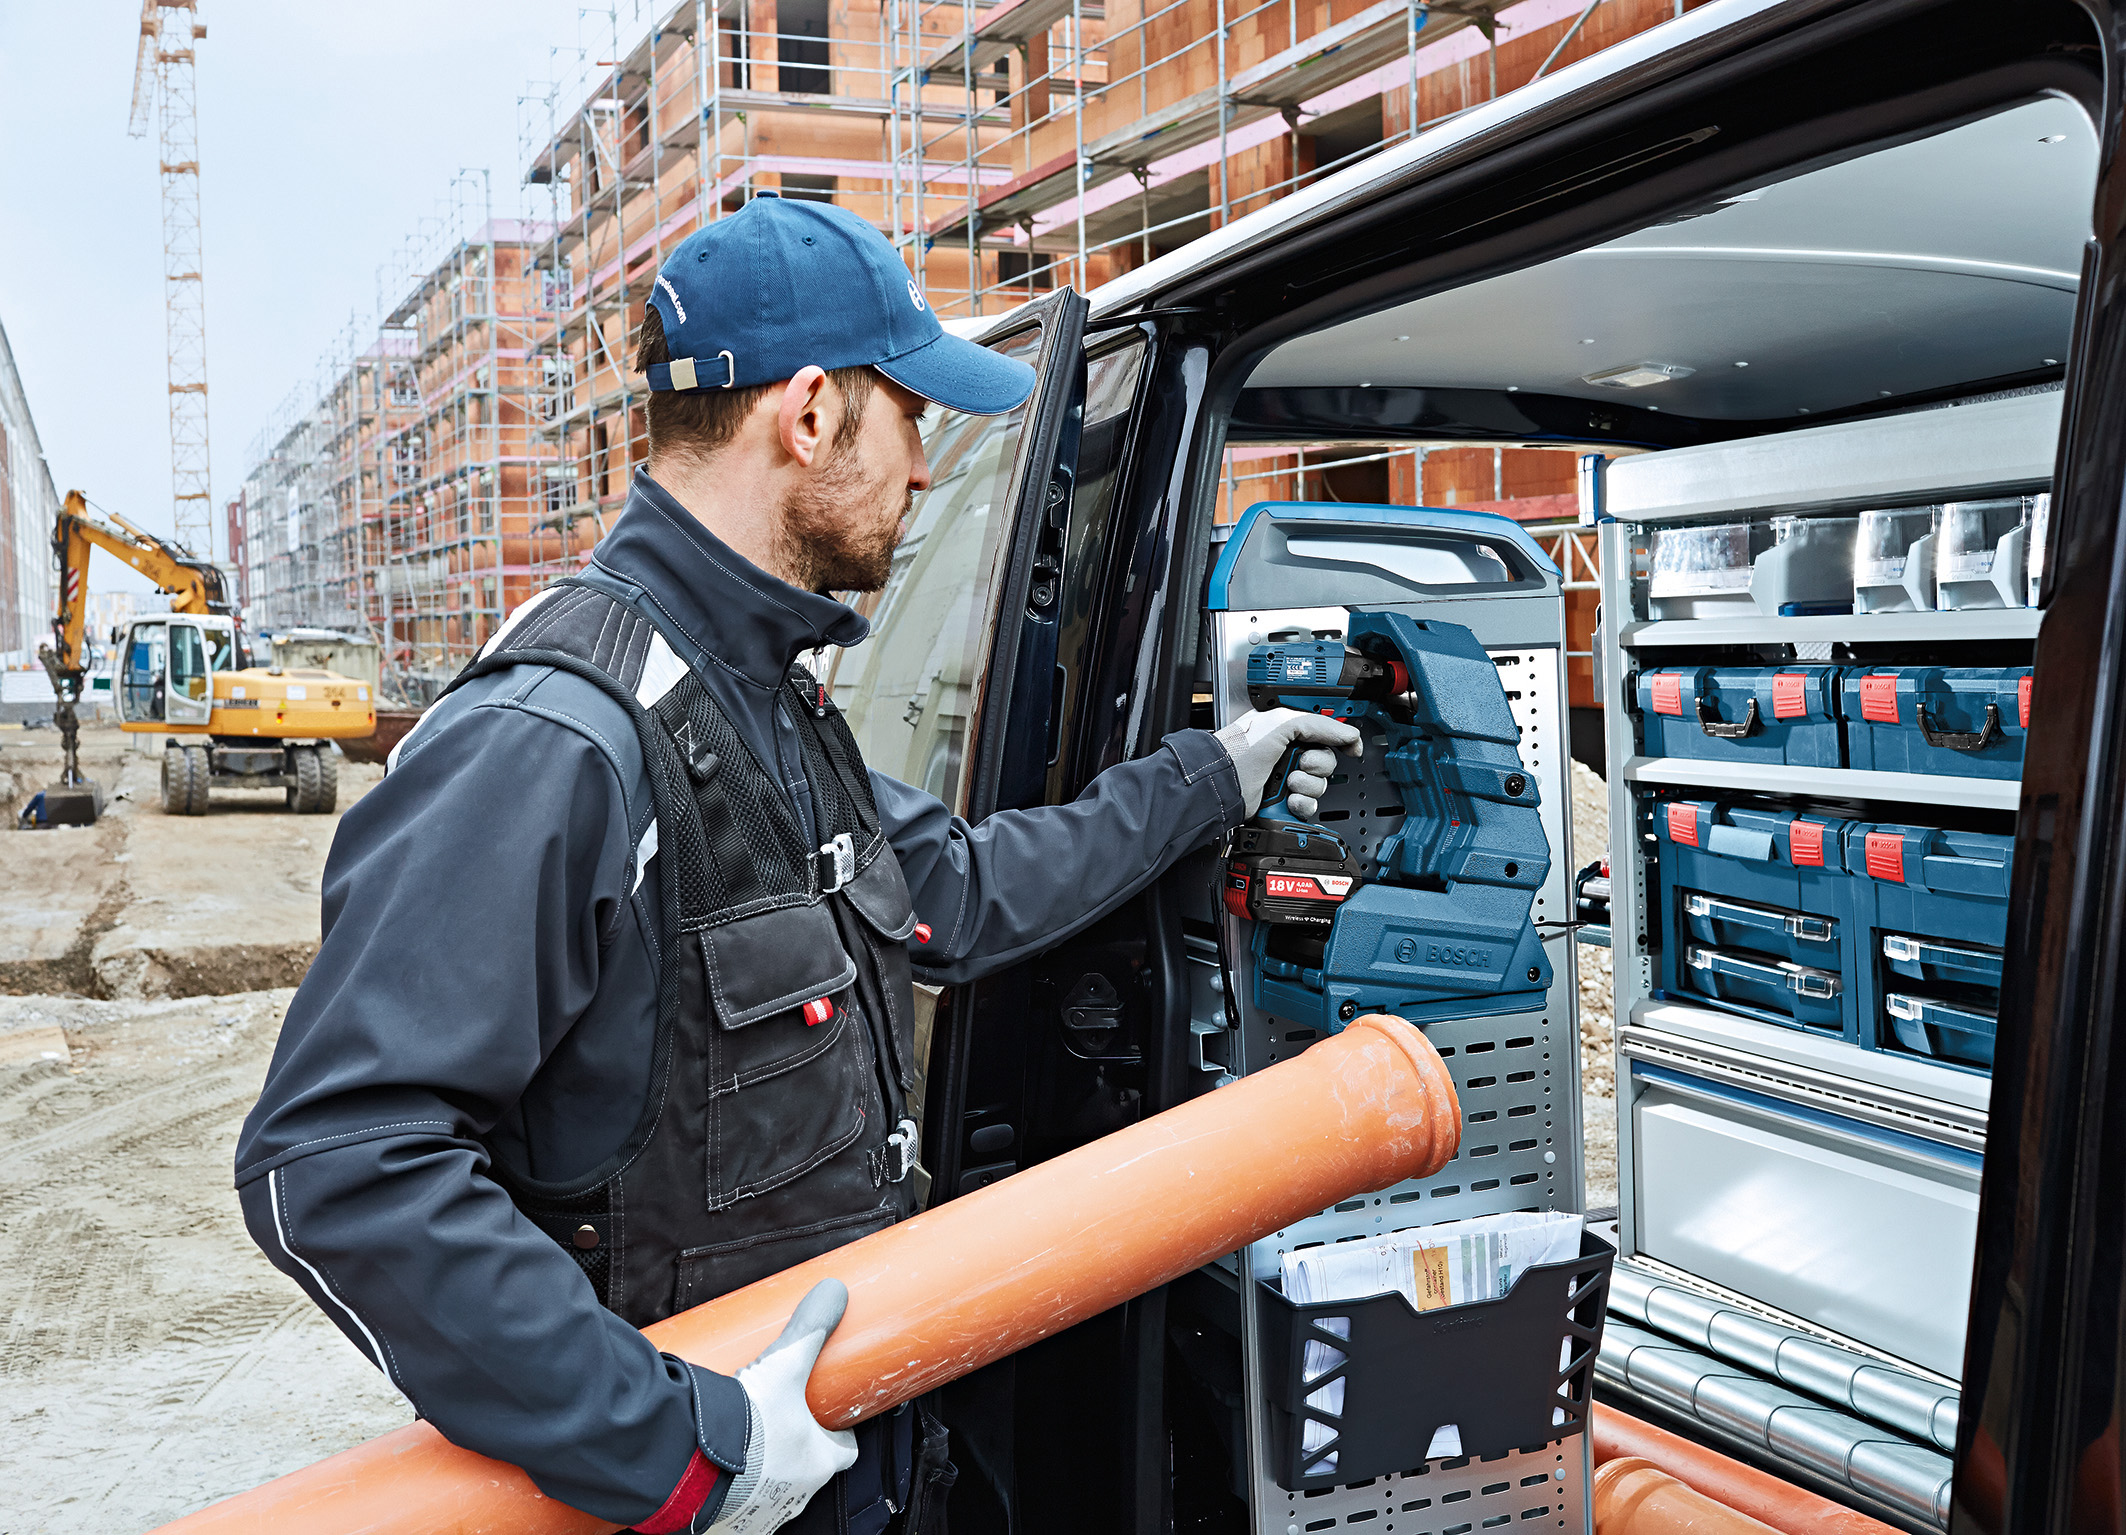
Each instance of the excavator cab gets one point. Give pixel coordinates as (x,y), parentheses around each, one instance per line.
(166,671)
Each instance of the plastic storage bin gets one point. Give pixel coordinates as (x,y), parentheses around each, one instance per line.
(1698,571)
(1893,560)
(1935,906)
(1513,1373)
(1758,914)
(1743,713)
(1967,722)
(1808,569)
(1981,553)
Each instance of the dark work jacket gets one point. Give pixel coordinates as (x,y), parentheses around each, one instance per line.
(486,988)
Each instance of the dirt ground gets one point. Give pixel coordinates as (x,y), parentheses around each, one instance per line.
(1598,1075)
(152,1360)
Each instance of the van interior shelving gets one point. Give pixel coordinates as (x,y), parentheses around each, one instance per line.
(1804,935)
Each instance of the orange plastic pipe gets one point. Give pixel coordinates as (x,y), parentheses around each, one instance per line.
(970,1281)
(1769,1499)
(1636,1497)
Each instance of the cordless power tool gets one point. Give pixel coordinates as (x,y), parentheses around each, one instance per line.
(1412,894)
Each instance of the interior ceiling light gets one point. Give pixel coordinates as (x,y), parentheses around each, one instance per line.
(1637,375)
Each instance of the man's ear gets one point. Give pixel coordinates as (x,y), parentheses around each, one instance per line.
(805,420)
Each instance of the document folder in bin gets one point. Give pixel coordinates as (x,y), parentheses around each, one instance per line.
(1512,1373)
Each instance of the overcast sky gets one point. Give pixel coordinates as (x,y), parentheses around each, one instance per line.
(328,132)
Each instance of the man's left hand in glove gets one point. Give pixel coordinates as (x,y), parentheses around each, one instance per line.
(1258,741)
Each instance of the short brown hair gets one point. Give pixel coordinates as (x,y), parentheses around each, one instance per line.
(698,422)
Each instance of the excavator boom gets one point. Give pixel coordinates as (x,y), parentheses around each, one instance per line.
(194,585)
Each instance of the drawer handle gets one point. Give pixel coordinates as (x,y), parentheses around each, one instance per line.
(1720,729)
(1797,924)
(1962,740)
(1898,946)
(1802,980)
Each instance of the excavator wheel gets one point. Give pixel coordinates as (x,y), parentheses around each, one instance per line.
(328,780)
(199,768)
(317,781)
(176,783)
(184,780)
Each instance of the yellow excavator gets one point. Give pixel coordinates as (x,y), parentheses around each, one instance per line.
(187,675)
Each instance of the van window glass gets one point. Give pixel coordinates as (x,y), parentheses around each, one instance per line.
(909,689)
(1110,389)
(188,662)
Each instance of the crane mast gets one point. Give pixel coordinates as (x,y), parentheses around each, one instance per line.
(163,83)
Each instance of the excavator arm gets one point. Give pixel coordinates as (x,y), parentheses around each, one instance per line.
(194,585)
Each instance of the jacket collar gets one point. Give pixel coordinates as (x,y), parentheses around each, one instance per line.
(736,614)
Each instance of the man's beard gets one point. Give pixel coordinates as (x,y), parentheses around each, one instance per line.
(833,538)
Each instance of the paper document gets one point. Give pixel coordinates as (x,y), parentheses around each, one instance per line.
(1446,1265)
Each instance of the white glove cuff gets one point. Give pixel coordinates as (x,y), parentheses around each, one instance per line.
(745,1485)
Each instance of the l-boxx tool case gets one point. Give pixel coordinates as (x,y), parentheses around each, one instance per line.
(1967,722)
(1758,913)
(1785,714)
(1886,936)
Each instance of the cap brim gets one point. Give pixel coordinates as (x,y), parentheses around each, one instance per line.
(960,375)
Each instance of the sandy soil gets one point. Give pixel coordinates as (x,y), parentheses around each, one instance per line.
(152,1360)
(1598,1075)
(148,905)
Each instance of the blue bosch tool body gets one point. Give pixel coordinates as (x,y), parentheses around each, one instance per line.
(1436,924)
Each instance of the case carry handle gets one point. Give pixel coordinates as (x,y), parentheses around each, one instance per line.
(1961,740)
(1748,725)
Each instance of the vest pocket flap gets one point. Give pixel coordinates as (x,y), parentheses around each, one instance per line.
(772,961)
(880,895)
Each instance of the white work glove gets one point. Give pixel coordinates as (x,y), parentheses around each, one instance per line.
(789,1457)
(1257,743)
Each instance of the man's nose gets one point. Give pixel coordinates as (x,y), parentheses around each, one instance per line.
(919,473)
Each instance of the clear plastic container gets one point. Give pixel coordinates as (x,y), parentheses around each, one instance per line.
(1808,569)
(2034,554)
(1702,561)
(1979,553)
(1893,569)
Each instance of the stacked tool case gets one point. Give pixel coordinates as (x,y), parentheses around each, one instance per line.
(1514,1376)
(1813,798)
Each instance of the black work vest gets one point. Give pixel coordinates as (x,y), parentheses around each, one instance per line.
(774,1128)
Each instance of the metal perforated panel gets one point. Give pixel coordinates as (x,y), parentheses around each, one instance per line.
(1517,1078)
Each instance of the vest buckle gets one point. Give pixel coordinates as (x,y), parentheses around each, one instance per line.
(895,1160)
(837,863)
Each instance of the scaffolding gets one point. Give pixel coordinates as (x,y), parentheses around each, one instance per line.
(481,441)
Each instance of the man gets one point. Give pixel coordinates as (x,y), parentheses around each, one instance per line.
(612,1011)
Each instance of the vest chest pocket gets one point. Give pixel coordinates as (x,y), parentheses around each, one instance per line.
(789,1063)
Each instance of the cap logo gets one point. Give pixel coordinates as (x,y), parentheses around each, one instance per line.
(666,284)
(915,295)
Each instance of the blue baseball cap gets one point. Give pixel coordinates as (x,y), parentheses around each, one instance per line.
(781,285)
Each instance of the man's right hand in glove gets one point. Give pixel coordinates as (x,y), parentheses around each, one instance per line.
(789,1457)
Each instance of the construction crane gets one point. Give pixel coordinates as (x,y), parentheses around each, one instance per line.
(163,81)
(186,674)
